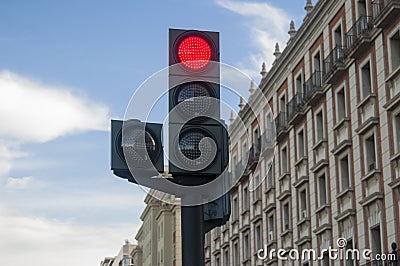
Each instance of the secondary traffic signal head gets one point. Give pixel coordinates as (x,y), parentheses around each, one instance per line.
(136,149)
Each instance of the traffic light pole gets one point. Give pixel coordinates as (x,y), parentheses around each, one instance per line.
(192,235)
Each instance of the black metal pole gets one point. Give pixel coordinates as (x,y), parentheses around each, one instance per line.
(192,235)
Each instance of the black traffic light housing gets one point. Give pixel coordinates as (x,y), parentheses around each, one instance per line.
(145,163)
(194,77)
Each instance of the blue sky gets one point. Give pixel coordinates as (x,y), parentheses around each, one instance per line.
(66,69)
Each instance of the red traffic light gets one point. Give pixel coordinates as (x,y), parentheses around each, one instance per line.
(194,52)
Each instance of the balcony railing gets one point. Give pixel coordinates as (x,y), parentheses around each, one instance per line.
(254,154)
(361,29)
(313,85)
(384,11)
(295,105)
(334,59)
(281,122)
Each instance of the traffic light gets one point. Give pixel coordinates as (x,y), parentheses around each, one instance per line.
(196,134)
(136,149)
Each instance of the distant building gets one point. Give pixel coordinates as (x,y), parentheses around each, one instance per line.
(159,238)
(334,92)
(124,257)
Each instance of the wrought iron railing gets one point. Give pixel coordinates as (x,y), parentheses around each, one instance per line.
(361,28)
(377,7)
(337,56)
(281,121)
(313,83)
(295,104)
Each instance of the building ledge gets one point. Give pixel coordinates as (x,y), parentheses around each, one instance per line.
(395,183)
(374,173)
(371,199)
(320,143)
(321,164)
(344,193)
(270,207)
(368,124)
(322,208)
(303,221)
(299,182)
(322,228)
(286,232)
(345,214)
(303,240)
(284,195)
(301,160)
(341,123)
(367,99)
(342,146)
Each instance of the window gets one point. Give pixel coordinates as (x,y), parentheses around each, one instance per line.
(226,257)
(282,103)
(244,152)
(286,218)
(362,8)
(271,228)
(284,160)
(258,237)
(270,177)
(350,255)
(376,243)
(317,78)
(319,120)
(246,203)
(235,209)
(340,105)
(338,36)
(217,262)
(394,49)
(246,247)
(366,81)
(303,204)
(370,153)
(257,190)
(299,83)
(322,190)
(325,259)
(236,254)
(344,173)
(396,134)
(300,144)
(126,262)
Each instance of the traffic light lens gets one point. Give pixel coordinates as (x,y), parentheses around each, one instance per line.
(135,148)
(195,144)
(194,52)
(189,101)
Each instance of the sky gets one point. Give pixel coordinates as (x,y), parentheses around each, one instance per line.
(66,69)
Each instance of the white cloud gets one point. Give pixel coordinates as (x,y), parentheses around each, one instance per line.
(267,25)
(38,241)
(35,112)
(18,183)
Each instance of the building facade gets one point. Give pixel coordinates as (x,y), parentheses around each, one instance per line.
(159,237)
(334,95)
(123,258)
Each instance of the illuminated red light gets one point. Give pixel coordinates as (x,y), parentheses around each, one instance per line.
(194,52)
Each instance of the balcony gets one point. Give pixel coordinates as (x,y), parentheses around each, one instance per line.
(281,123)
(359,36)
(296,109)
(313,88)
(385,12)
(334,64)
(254,154)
